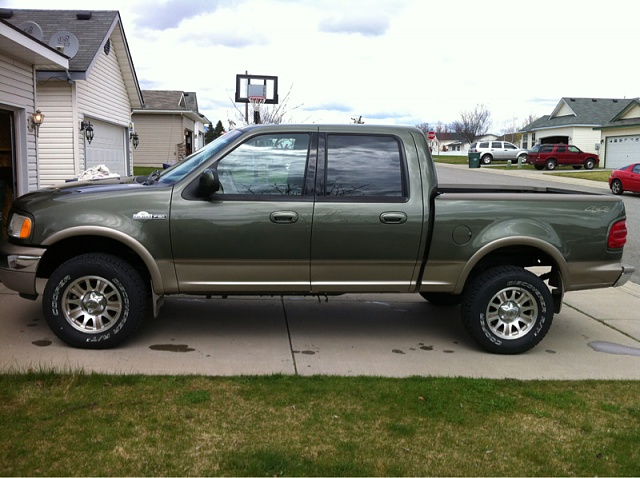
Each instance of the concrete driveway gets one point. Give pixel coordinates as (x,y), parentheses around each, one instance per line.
(596,336)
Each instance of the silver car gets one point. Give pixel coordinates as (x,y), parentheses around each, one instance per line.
(498,151)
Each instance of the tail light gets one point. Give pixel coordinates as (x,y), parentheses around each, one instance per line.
(617,235)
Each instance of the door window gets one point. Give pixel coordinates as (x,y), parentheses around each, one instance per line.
(266,165)
(364,167)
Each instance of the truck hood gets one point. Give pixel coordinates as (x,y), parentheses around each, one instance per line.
(76,189)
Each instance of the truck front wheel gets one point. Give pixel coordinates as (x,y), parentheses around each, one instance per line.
(94,301)
(507,310)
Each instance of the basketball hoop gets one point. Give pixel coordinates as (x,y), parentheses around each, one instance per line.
(256,104)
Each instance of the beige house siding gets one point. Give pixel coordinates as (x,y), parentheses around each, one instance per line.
(17,95)
(57,159)
(160,137)
(102,96)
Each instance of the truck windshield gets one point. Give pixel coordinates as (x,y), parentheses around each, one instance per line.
(179,170)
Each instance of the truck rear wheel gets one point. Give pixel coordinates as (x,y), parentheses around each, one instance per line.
(94,301)
(507,310)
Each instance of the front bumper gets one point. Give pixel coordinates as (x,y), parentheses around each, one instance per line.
(18,267)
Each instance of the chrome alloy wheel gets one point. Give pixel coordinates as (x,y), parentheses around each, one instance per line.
(92,304)
(512,313)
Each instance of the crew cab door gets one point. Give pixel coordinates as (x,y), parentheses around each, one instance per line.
(253,234)
(368,219)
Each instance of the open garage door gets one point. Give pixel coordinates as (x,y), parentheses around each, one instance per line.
(621,151)
(108,147)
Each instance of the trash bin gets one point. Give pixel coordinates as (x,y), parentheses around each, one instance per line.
(474,160)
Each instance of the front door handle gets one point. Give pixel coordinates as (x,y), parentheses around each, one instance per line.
(284,217)
(395,217)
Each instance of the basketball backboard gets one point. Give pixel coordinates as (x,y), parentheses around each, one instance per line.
(252,85)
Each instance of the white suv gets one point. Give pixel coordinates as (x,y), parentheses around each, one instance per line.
(498,151)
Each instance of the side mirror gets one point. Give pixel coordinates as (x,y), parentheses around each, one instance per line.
(209,183)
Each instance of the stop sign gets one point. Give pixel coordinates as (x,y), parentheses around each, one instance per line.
(431,135)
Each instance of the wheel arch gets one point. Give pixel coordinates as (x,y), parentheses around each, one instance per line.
(524,252)
(81,240)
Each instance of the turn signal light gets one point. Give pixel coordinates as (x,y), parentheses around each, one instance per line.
(19,227)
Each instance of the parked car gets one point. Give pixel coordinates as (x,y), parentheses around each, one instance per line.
(498,151)
(551,156)
(625,179)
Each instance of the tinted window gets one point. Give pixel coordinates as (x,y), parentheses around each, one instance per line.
(364,166)
(561,149)
(509,146)
(636,168)
(496,144)
(546,149)
(270,164)
(483,145)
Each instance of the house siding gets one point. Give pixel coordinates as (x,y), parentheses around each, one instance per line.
(160,137)
(103,95)
(17,95)
(57,158)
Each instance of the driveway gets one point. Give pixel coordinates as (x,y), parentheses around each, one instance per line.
(386,335)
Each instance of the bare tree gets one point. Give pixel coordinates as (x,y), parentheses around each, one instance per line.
(269,114)
(424,127)
(474,123)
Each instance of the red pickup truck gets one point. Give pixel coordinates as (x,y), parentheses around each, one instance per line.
(552,155)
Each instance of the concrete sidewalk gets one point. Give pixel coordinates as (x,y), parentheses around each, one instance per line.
(596,336)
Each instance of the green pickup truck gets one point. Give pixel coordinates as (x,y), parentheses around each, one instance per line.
(309,209)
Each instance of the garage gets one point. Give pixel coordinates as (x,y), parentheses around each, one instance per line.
(108,147)
(622,150)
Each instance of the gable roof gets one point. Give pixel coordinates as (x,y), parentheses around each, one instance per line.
(592,112)
(171,102)
(92,29)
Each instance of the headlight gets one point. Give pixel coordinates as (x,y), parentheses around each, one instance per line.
(19,226)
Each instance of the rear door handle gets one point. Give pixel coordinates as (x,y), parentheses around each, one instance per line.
(395,217)
(284,217)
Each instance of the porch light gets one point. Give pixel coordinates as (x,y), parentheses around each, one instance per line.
(135,140)
(35,120)
(87,127)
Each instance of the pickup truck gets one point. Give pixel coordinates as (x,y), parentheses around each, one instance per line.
(309,210)
(550,156)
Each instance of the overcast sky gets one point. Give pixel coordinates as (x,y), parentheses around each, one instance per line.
(391,61)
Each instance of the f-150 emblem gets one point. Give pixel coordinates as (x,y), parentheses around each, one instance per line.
(146,216)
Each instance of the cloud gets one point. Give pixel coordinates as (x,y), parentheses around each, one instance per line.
(169,14)
(329,107)
(371,26)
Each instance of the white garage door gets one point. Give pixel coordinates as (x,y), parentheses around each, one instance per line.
(108,147)
(622,150)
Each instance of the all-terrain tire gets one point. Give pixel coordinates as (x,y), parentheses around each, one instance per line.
(94,301)
(507,310)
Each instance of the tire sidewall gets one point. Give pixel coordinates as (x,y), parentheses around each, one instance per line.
(476,304)
(123,277)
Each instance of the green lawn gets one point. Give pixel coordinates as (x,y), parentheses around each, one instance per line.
(96,425)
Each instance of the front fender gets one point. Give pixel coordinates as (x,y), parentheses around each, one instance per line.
(155,272)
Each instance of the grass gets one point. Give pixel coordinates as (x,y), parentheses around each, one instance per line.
(143,171)
(91,425)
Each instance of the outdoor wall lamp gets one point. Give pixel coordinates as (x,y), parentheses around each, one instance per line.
(135,140)
(35,120)
(87,127)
